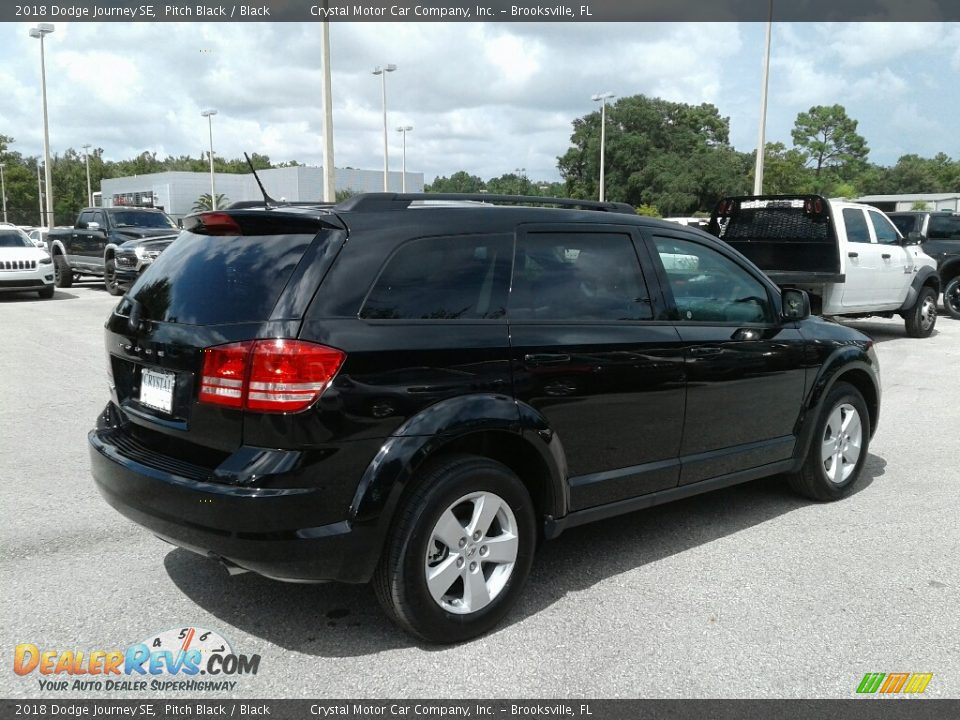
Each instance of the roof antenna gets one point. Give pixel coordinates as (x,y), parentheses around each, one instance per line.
(267,200)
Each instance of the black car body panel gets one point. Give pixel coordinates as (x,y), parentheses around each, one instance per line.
(631,405)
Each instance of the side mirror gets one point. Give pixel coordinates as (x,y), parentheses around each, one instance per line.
(82,225)
(913,238)
(796,304)
(93,226)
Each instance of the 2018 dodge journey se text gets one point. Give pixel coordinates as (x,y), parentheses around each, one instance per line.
(414,390)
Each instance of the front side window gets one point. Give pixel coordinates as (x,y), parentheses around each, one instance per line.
(444,278)
(856,223)
(886,233)
(709,287)
(578,277)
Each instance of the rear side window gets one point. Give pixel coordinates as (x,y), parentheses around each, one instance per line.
(886,233)
(444,278)
(209,279)
(577,277)
(856,223)
(944,226)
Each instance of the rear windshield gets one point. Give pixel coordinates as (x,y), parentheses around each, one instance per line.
(944,226)
(208,280)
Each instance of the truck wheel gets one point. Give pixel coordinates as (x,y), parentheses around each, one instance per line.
(46,293)
(460,550)
(921,318)
(62,274)
(110,278)
(951,297)
(838,449)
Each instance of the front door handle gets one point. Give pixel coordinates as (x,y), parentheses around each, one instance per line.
(703,350)
(886,256)
(746,334)
(853,254)
(536,359)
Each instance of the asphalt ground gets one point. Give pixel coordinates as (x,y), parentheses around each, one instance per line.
(745,592)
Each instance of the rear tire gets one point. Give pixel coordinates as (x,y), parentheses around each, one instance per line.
(922,317)
(838,449)
(951,298)
(46,293)
(433,579)
(62,274)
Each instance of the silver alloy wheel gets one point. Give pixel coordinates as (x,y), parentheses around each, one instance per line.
(471,553)
(841,444)
(928,312)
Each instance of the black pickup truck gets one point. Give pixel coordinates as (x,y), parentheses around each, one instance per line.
(91,246)
(941,241)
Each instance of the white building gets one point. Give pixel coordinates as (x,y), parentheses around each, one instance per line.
(895,203)
(176,192)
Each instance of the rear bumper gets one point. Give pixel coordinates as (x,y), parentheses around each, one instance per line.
(265,530)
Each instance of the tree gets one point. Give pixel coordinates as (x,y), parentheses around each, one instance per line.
(203,204)
(829,141)
(460,182)
(341,195)
(784,171)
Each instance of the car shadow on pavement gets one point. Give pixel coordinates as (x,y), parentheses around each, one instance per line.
(335,620)
(31,296)
(879,332)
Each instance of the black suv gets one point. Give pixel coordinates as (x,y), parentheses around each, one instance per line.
(414,389)
(940,235)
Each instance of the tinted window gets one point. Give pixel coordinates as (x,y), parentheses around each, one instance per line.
(98,218)
(944,226)
(85,217)
(132,218)
(905,223)
(708,287)
(14,239)
(886,233)
(444,278)
(578,276)
(856,226)
(203,279)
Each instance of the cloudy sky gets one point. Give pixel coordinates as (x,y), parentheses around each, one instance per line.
(487,98)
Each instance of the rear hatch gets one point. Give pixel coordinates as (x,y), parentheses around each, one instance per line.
(230,278)
(790,237)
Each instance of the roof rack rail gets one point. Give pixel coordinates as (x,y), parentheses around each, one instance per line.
(377,202)
(244,204)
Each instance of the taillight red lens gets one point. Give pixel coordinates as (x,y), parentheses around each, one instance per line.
(213,223)
(225,373)
(268,375)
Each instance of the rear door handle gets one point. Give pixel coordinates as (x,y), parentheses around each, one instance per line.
(536,359)
(886,256)
(853,254)
(701,351)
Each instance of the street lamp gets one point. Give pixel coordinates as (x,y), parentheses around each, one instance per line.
(38,32)
(382,72)
(761,142)
(208,114)
(403,130)
(3,190)
(602,99)
(86,158)
(40,195)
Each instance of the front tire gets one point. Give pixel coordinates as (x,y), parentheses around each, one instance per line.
(922,317)
(110,278)
(951,298)
(460,550)
(838,449)
(62,274)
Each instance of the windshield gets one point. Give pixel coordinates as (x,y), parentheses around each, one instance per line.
(144,219)
(14,239)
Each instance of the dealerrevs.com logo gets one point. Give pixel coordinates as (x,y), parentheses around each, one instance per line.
(181,653)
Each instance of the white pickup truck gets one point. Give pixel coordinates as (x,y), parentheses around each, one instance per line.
(849,258)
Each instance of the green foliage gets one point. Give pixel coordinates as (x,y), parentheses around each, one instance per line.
(648,211)
(830,144)
(203,204)
(459,182)
(341,195)
(920,205)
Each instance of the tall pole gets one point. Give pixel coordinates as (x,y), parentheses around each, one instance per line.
(403,130)
(382,72)
(38,32)
(208,114)
(761,142)
(329,173)
(86,157)
(603,97)
(3,190)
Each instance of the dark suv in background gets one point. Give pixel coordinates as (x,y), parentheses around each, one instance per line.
(940,235)
(412,389)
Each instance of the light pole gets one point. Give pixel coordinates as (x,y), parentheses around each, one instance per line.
(208,114)
(3,190)
(403,130)
(40,195)
(602,98)
(86,158)
(329,172)
(38,32)
(761,143)
(382,72)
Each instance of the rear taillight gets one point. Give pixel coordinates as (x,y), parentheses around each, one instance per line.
(268,375)
(212,223)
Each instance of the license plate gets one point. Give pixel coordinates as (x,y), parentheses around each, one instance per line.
(156,389)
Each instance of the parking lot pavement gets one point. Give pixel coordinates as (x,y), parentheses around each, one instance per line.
(746,592)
